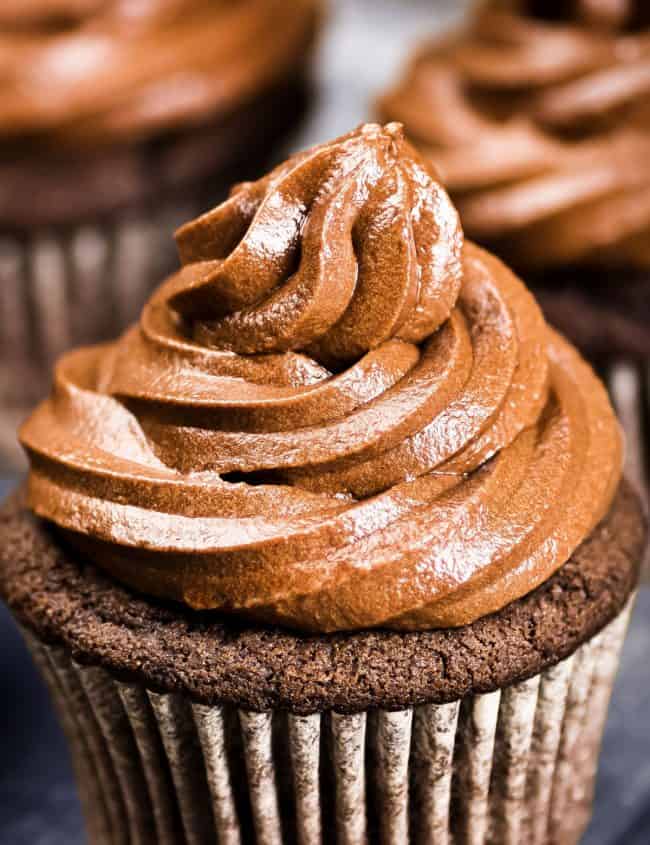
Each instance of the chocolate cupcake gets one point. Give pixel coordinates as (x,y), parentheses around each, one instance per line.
(537,116)
(333,545)
(118,121)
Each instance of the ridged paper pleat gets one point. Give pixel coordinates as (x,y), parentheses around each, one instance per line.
(474,754)
(211,728)
(91,793)
(393,744)
(348,755)
(102,770)
(587,699)
(113,723)
(547,731)
(510,763)
(188,770)
(432,757)
(304,743)
(152,758)
(260,769)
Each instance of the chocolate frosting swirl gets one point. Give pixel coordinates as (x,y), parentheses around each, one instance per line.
(537,117)
(336,415)
(87,71)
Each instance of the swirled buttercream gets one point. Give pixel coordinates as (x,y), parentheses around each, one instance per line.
(537,116)
(81,71)
(336,415)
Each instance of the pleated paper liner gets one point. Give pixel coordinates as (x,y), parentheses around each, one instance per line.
(70,287)
(512,767)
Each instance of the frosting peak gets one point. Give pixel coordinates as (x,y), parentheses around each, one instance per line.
(336,251)
(336,415)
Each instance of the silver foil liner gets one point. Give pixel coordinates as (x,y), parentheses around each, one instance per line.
(70,287)
(512,767)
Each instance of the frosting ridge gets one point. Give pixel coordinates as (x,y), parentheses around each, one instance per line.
(536,115)
(336,415)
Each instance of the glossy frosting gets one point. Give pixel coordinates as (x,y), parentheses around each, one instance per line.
(77,71)
(337,415)
(537,115)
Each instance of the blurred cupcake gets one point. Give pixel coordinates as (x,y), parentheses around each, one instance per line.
(118,120)
(333,545)
(537,115)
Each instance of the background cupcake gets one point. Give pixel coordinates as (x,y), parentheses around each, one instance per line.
(118,120)
(536,115)
(342,420)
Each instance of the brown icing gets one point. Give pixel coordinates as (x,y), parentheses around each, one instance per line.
(537,116)
(81,71)
(336,415)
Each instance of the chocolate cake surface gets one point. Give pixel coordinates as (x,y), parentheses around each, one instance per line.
(211,659)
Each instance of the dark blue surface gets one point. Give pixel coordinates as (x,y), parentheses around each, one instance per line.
(38,804)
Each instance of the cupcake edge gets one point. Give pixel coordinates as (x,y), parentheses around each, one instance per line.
(212,660)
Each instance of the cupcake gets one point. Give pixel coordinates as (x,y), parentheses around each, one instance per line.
(536,114)
(118,121)
(333,545)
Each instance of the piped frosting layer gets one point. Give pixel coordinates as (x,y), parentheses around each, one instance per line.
(336,415)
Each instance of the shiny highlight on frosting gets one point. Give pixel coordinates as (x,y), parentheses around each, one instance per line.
(85,71)
(537,115)
(336,415)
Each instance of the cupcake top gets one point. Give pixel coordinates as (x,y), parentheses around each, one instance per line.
(537,115)
(75,72)
(337,415)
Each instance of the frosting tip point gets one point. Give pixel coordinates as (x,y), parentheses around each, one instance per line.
(395,128)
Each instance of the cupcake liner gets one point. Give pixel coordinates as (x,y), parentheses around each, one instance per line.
(628,383)
(61,288)
(511,767)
